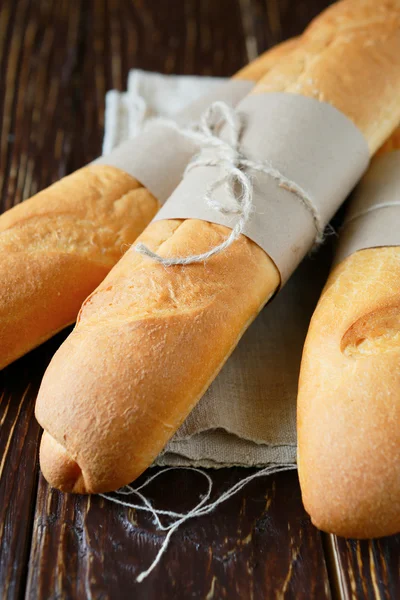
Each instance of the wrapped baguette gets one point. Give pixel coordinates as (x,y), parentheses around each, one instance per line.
(349,400)
(150,339)
(56,247)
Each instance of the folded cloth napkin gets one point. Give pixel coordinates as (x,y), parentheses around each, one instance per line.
(248,415)
(150,95)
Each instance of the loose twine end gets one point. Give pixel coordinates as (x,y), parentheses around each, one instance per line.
(234,166)
(203,507)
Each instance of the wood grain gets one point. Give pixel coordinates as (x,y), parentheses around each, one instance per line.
(18,442)
(57,60)
(259,544)
(195,36)
(19,438)
(368,569)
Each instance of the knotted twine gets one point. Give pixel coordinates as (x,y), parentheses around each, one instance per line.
(226,153)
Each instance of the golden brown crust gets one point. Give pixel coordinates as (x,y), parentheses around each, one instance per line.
(349,401)
(150,340)
(146,327)
(57,246)
(330,65)
(55,460)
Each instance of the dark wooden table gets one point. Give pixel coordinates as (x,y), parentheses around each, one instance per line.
(57,60)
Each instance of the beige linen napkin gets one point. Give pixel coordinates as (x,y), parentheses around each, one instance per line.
(248,415)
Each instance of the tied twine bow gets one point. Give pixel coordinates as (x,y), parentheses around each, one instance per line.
(234,165)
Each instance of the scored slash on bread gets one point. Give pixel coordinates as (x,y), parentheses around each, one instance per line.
(349,396)
(151,339)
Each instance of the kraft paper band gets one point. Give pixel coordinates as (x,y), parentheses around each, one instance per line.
(372,220)
(312,144)
(158,156)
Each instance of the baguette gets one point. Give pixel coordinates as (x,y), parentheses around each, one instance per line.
(349,400)
(56,247)
(149,340)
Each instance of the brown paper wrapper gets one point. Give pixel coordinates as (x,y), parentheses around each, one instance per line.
(312,144)
(372,219)
(158,157)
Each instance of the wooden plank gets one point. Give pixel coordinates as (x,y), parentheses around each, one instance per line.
(39,55)
(259,544)
(368,569)
(19,438)
(18,441)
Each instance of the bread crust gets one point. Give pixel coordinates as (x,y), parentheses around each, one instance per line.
(150,340)
(349,404)
(349,401)
(56,247)
(258,67)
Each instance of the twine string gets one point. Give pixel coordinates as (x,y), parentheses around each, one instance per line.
(234,167)
(203,507)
